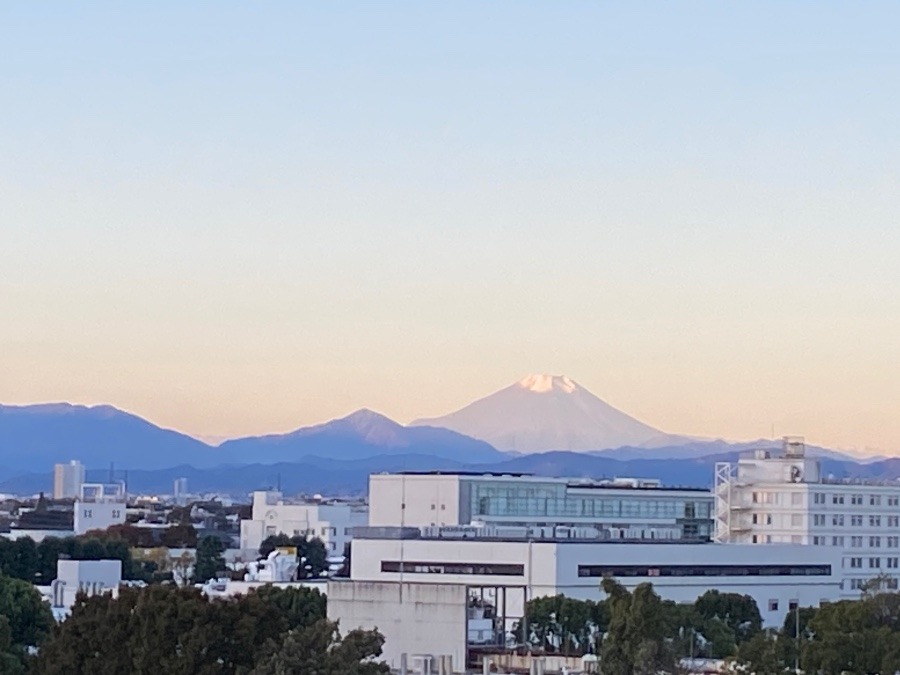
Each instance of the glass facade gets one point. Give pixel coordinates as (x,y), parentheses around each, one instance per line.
(534,502)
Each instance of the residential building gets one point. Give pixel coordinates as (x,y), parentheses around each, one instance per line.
(67,480)
(770,497)
(332,521)
(99,506)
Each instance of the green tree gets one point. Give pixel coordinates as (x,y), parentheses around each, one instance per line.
(320,649)
(28,616)
(177,631)
(739,612)
(636,643)
(182,535)
(209,558)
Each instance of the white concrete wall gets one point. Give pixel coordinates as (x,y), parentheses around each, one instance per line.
(87,576)
(98,515)
(431,499)
(551,568)
(414,618)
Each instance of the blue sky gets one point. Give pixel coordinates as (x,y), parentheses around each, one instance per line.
(250,216)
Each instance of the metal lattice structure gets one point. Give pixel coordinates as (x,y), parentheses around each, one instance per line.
(725,475)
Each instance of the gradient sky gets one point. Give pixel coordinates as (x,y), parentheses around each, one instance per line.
(263,215)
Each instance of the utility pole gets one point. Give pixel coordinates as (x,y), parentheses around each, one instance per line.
(797,637)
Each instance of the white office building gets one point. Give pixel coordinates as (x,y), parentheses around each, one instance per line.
(67,480)
(449,556)
(99,506)
(332,521)
(623,508)
(782,497)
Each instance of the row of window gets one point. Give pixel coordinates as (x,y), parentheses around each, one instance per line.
(505,569)
(875,563)
(821,540)
(703,570)
(856,500)
(838,520)
(488,569)
(860,584)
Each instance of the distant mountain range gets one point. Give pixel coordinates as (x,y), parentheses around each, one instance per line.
(33,438)
(342,477)
(550,412)
(547,425)
(360,435)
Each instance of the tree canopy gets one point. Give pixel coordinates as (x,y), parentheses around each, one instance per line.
(178,631)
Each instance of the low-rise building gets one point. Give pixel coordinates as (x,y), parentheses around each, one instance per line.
(332,521)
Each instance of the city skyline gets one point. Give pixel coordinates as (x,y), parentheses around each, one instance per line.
(261,218)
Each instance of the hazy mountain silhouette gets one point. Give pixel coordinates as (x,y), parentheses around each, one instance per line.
(360,435)
(550,412)
(34,437)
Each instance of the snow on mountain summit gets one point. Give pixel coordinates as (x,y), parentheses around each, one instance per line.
(546,383)
(547,412)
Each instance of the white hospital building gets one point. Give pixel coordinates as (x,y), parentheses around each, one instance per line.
(783,498)
(442,546)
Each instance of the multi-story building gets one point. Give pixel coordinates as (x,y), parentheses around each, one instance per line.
(770,497)
(623,508)
(99,506)
(67,480)
(331,521)
(440,546)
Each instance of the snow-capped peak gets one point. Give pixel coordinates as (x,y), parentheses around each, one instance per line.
(544,383)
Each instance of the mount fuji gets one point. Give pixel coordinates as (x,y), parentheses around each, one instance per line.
(550,412)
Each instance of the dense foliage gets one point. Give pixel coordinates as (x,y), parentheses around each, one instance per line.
(713,626)
(855,636)
(36,563)
(25,620)
(178,631)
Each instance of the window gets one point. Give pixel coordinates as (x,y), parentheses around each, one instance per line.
(796,520)
(855,562)
(855,521)
(818,498)
(857,584)
(837,541)
(755,539)
(893,521)
(892,563)
(856,542)
(874,563)
(819,519)
(797,498)
(874,521)
(697,570)
(837,499)
(773,605)
(856,499)
(493,569)
(796,539)
(820,541)
(768,519)
(893,542)
(874,500)
(893,501)
(755,519)
(875,542)
(837,520)
(433,508)
(793,604)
